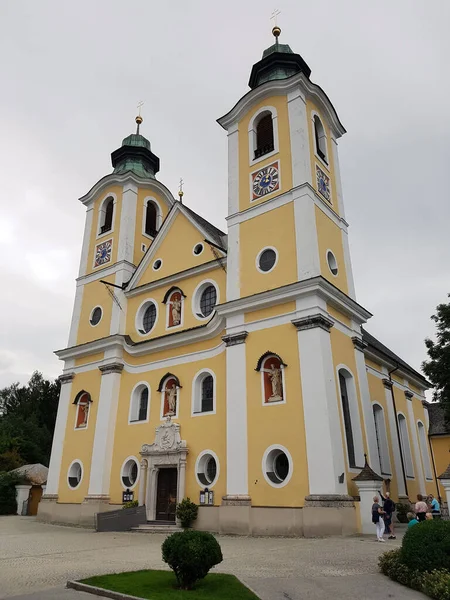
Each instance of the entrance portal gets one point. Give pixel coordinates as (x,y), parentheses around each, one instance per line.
(166,496)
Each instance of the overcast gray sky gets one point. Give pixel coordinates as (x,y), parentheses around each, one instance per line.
(71,74)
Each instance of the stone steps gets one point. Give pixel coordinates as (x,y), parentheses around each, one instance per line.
(165,527)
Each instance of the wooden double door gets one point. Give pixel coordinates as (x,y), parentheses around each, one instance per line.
(166,494)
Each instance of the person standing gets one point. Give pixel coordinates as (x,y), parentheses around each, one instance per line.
(389,508)
(420,508)
(377,518)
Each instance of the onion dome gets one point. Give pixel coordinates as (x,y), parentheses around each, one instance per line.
(135,155)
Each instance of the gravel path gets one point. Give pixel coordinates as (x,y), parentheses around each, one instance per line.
(35,557)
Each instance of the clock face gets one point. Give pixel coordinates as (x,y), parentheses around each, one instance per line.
(103,253)
(323,184)
(265,181)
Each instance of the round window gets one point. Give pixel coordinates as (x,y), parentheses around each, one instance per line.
(130,472)
(75,474)
(332,262)
(157,264)
(148,318)
(96,316)
(277,466)
(208,300)
(267,260)
(207,469)
(198,249)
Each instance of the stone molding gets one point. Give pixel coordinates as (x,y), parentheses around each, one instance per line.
(167,441)
(233,339)
(359,343)
(236,500)
(93,498)
(329,500)
(111,368)
(388,383)
(66,378)
(50,497)
(409,395)
(313,321)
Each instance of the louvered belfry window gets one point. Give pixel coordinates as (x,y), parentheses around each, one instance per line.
(150,219)
(264,136)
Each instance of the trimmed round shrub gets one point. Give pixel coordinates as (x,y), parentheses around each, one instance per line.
(426,546)
(191,554)
(186,512)
(8,504)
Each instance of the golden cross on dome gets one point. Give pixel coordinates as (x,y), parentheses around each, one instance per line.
(180,189)
(275,30)
(139,119)
(140,104)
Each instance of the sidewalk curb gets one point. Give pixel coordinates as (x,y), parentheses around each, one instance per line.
(90,589)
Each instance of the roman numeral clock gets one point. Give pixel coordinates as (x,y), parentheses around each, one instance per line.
(265,181)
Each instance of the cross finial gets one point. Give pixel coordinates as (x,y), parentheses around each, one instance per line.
(276,30)
(180,189)
(139,119)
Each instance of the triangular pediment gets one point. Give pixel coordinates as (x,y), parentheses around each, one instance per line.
(185,241)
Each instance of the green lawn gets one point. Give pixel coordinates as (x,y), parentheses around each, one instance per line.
(160,585)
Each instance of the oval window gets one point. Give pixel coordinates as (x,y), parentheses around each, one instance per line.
(198,249)
(332,262)
(277,467)
(96,316)
(267,260)
(148,318)
(75,474)
(208,300)
(157,264)
(130,472)
(207,469)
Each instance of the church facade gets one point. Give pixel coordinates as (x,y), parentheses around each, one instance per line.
(232,368)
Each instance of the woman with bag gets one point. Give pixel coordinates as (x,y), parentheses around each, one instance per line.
(377,518)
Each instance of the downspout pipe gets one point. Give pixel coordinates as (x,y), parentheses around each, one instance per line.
(430,445)
(398,429)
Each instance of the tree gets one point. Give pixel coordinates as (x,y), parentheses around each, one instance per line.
(27,421)
(437,368)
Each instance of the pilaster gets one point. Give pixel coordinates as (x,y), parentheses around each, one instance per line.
(102,451)
(306,241)
(388,385)
(324,442)
(299,135)
(415,443)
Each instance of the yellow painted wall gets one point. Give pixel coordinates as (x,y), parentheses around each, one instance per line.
(95,294)
(441,452)
(338,315)
(142,238)
(206,432)
(275,424)
(78,443)
(329,237)
(94,240)
(271,311)
(315,160)
(217,274)
(283,156)
(372,364)
(274,228)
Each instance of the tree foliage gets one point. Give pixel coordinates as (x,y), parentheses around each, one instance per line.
(27,421)
(437,368)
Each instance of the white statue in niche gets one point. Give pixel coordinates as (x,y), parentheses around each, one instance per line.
(172,399)
(275,378)
(85,410)
(176,311)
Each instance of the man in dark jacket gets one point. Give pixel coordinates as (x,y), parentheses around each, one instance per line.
(389,509)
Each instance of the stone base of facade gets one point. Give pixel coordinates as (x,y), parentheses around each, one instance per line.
(81,515)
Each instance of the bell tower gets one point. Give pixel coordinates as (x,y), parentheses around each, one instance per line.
(285,206)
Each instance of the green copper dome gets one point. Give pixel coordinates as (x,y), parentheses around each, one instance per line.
(136,140)
(135,155)
(285,48)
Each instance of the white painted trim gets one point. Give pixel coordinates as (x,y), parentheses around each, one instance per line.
(196,399)
(100,216)
(118,314)
(54,469)
(337,176)
(86,241)
(78,462)
(252,135)
(76,316)
(258,256)
(159,218)
(299,134)
(168,308)
(135,397)
(101,273)
(140,315)
(282,87)
(92,312)
(233,169)
(328,251)
(424,451)
(265,459)
(129,458)
(417,459)
(348,265)
(406,446)
(163,393)
(384,447)
(233,263)
(306,238)
(196,297)
(270,195)
(197,468)
(195,246)
(283,383)
(128,213)
(354,417)
(394,442)
(326,164)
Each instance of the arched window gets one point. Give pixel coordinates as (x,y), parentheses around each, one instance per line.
(151,219)
(321,139)
(271,367)
(107,215)
(352,424)
(82,402)
(264,135)
(382,443)
(139,403)
(203,393)
(405,446)
(424,450)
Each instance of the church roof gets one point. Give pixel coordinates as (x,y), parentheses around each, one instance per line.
(216,235)
(438,424)
(367,474)
(445,474)
(380,348)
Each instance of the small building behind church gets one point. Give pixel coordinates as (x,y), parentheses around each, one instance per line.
(233,367)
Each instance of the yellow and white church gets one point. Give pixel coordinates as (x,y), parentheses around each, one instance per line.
(233,362)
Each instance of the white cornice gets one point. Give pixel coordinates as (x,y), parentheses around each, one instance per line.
(123,179)
(105,272)
(380,358)
(281,87)
(176,277)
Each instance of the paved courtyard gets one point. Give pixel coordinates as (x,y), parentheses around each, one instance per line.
(37,559)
